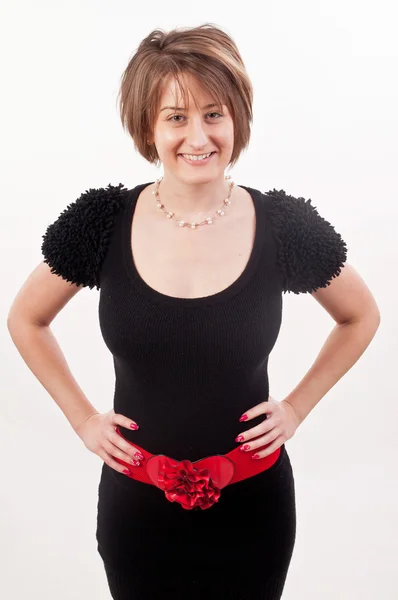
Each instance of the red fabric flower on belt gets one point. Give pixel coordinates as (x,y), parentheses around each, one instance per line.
(192,486)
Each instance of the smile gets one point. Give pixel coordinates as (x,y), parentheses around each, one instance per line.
(197,160)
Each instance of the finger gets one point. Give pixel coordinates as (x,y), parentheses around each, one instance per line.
(124,445)
(123,450)
(261,441)
(260,409)
(113,451)
(271,448)
(119,419)
(111,462)
(264,427)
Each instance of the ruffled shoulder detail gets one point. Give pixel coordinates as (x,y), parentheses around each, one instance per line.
(75,244)
(310,251)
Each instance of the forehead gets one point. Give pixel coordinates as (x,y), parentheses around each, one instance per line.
(194,89)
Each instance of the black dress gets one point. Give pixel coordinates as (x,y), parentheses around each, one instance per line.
(185,371)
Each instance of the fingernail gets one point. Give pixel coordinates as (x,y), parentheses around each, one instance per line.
(243,418)
(133,426)
(240,438)
(245,447)
(256,456)
(139,455)
(126,471)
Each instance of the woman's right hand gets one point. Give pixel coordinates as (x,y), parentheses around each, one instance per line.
(99,435)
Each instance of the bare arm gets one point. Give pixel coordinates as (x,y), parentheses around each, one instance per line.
(349,301)
(37,303)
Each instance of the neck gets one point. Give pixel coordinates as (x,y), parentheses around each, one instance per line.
(193,201)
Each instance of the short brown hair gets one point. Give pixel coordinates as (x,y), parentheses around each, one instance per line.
(205,52)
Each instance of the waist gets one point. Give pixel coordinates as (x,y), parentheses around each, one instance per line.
(198,484)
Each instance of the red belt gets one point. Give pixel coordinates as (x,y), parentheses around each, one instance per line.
(197,484)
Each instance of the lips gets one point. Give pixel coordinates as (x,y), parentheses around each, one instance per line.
(197,162)
(182,153)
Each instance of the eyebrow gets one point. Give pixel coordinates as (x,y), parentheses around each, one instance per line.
(181,108)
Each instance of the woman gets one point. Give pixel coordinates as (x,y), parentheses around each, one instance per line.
(196,497)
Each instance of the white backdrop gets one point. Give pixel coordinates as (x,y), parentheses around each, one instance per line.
(325,127)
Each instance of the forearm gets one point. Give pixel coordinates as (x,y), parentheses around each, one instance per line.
(341,350)
(40,350)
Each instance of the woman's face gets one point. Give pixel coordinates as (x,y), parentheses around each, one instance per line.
(194,131)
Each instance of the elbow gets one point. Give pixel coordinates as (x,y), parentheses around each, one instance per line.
(371,318)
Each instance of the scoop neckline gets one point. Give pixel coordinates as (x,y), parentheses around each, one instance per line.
(154,295)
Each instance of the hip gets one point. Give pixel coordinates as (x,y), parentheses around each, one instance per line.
(136,519)
(145,506)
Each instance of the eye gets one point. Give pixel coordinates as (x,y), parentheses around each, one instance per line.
(212,113)
(172,117)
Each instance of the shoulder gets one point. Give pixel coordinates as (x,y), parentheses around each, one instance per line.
(310,250)
(74,245)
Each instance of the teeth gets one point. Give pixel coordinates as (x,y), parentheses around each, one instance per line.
(193,157)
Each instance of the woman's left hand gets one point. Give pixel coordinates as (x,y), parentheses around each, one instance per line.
(280,425)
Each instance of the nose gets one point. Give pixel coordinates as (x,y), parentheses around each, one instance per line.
(196,136)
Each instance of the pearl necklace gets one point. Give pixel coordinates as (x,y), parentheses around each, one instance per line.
(208,220)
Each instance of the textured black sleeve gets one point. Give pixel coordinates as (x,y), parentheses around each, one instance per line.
(75,244)
(310,251)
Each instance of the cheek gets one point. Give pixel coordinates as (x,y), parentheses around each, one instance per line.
(227,141)
(166,138)
(227,136)
(168,141)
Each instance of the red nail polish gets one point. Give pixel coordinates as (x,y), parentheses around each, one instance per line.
(126,471)
(134,426)
(256,456)
(239,438)
(243,418)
